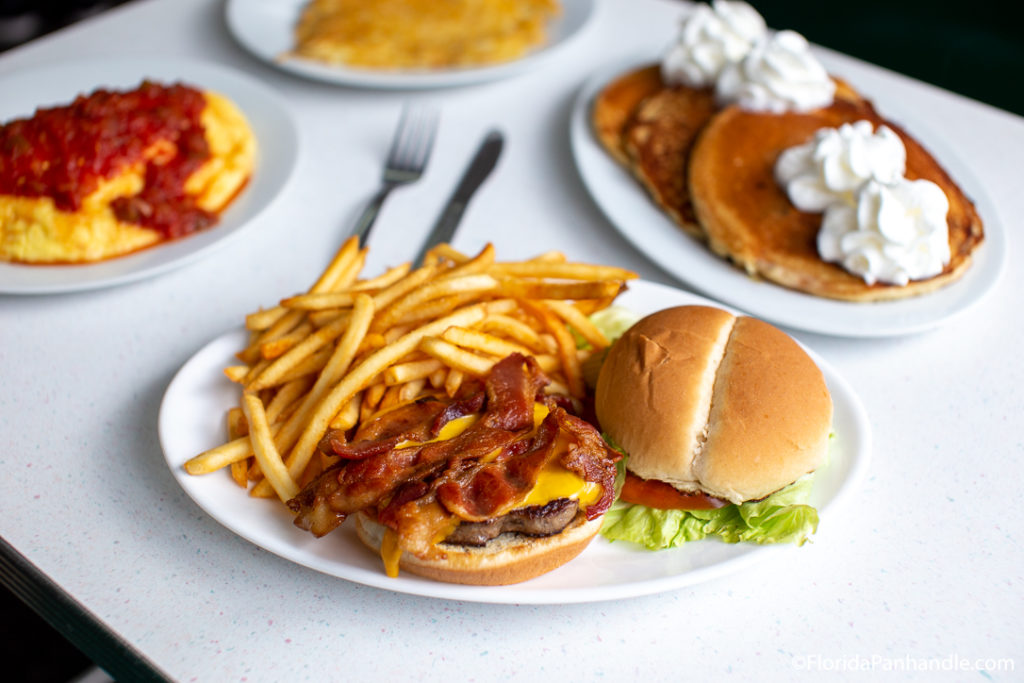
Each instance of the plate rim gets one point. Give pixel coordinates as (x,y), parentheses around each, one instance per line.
(857,452)
(276,160)
(238,18)
(719,280)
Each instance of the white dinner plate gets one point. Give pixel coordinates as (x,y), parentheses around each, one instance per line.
(26,90)
(266,29)
(192,418)
(629,208)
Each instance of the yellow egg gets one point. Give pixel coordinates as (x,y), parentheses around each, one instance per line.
(34,230)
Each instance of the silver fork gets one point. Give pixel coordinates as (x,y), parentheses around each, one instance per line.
(410,151)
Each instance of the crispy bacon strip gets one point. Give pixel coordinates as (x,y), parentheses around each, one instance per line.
(479,492)
(511,388)
(423,491)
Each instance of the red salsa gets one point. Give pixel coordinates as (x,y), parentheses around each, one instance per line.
(65,152)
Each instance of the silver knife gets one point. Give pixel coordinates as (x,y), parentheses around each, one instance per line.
(479,168)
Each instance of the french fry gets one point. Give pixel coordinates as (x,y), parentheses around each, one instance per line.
(265,451)
(453,381)
(567,271)
(385,279)
(338,266)
(297,353)
(416,278)
(240,473)
(275,348)
(437,377)
(236,424)
(446,251)
(548,257)
(411,370)
(435,308)
(221,456)
(476,283)
(579,322)
(308,366)
(323,318)
(236,373)
(517,330)
(410,390)
(264,318)
(286,397)
(319,301)
(477,264)
(454,357)
(349,415)
(481,341)
(523,288)
(566,348)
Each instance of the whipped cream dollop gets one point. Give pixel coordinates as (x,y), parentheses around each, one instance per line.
(778,74)
(894,233)
(877,224)
(836,162)
(710,38)
(727,45)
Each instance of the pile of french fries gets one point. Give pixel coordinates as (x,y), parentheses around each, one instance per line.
(351,348)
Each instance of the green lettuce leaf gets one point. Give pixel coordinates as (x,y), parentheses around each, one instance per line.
(783,517)
(614,321)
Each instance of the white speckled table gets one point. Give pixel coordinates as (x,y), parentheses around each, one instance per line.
(921,575)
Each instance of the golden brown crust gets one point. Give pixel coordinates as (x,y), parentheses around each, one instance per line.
(770,418)
(658,142)
(615,104)
(661,372)
(649,128)
(749,219)
(764,422)
(510,558)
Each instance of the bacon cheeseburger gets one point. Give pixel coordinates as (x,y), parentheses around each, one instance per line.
(496,485)
(723,419)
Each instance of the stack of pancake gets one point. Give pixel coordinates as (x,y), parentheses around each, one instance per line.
(711,169)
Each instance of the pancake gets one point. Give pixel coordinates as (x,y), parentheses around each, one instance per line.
(649,127)
(38,230)
(658,143)
(749,219)
(615,104)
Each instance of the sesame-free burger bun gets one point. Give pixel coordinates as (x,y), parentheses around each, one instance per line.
(509,558)
(711,402)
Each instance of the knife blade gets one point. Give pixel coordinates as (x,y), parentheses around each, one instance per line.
(479,168)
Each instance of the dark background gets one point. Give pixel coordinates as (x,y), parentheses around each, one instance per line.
(975,49)
(972,48)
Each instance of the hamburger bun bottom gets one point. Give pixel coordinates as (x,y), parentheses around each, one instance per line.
(509,558)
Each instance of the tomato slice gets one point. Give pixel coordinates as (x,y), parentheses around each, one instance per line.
(661,496)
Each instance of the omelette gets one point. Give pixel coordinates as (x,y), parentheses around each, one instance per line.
(114,172)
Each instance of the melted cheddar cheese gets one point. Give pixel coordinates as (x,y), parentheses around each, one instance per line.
(553,482)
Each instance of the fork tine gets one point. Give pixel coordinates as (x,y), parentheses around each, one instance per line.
(407,157)
(415,139)
(427,140)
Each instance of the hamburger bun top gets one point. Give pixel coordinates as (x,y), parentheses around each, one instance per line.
(707,401)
